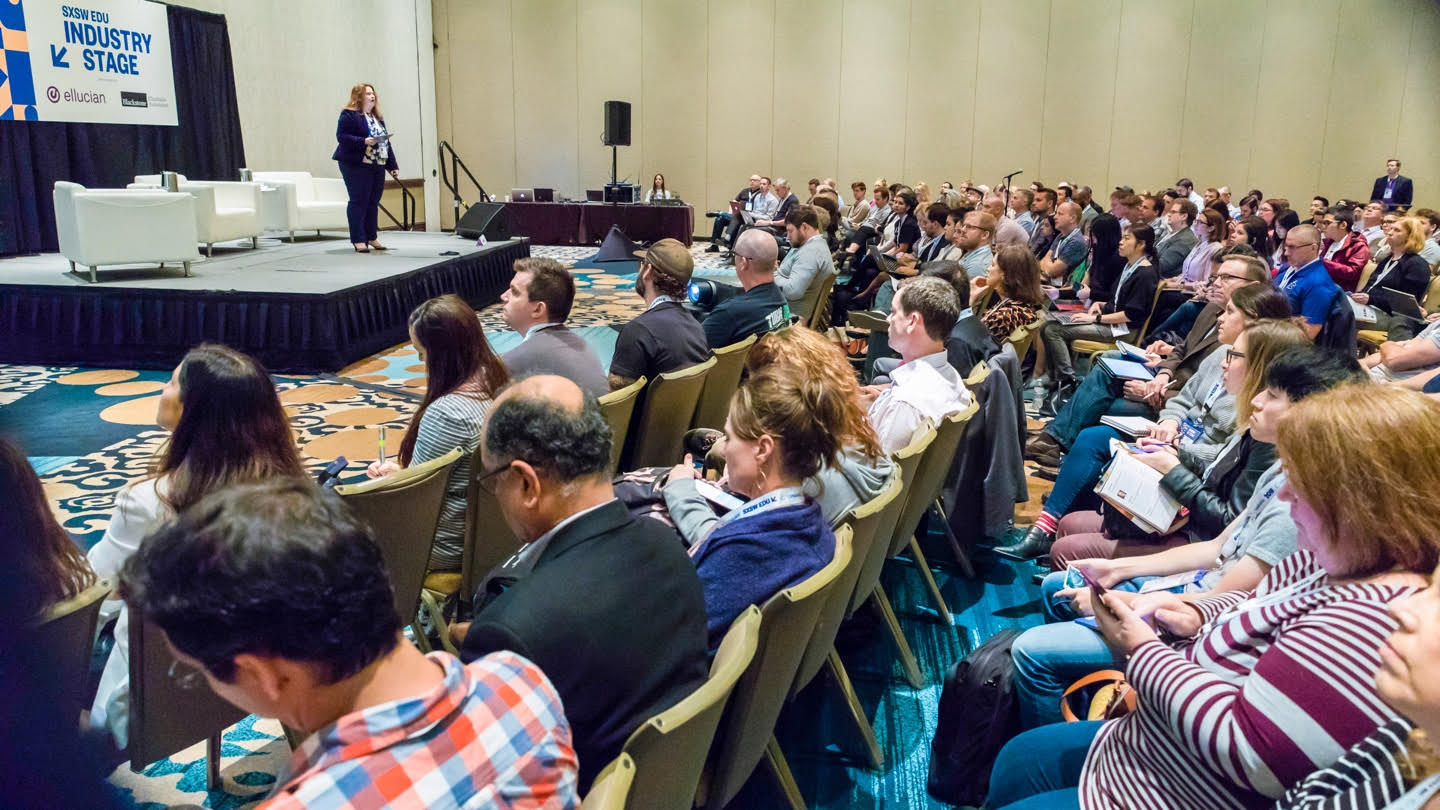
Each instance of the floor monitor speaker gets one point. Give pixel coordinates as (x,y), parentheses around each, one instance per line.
(485,218)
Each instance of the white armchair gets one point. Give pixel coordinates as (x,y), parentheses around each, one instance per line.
(305,203)
(151,181)
(225,211)
(118,226)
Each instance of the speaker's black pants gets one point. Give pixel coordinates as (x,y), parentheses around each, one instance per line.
(365,182)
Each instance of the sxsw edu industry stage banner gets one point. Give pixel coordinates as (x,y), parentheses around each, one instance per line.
(90,61)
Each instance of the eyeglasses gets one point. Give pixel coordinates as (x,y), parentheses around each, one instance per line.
(490,481)
(1289,246)
(1231,355)
(1229,277)
(966,225)
(185,677)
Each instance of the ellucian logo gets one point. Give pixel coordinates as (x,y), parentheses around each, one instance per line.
(128,99)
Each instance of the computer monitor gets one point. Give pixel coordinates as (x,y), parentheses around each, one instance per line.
(522,195)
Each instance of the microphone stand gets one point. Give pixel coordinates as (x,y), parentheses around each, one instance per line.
(1006,181)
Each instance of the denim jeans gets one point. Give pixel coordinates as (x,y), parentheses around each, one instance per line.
(1098,394)
(1081,468)
(1048,659)
(1181,320)
(1059,610)
(1040,768)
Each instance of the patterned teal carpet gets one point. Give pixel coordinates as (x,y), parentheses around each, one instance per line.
(87,432)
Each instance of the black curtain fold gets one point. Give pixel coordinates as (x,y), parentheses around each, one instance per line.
(206,145)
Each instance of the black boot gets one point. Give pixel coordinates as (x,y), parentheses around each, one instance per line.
(1035,544)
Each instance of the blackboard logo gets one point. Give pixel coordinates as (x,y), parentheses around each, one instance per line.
(133,99)
(53,93)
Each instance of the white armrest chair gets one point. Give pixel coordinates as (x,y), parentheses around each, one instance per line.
(225,211)
(118,226)
(311,203)
(151,181)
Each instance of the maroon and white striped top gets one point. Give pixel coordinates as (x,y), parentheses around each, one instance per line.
(1277,684)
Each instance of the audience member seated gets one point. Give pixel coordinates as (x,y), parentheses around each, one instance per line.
(1402,272)
(971,243)
(901,234)
(1198,421)
(1043,210)
(774,220)
(593,589)
(725,220)
(1179,323)
(1397,766)
(1403,360)
(226,426)
(1213,493)
(777,436)
(827,209)
(969,341)
(665,337)
(1430,221)
(1371,224)
(1256,655)
(1283,223)
(1105,262)
(924,385)
(1304,279)
(462,376)
(1020,201)
(1007,231)
(277,595)
(536,305)
(761,307)
(935,243)
(860,470)
(1068,250)
(52,567)
(809,257)
(1105,321)
(1013,277)
(1383,249)
(855,213)
(1243,295)
(1174,248)
(1049,658)
(1344,252)
(1254,232)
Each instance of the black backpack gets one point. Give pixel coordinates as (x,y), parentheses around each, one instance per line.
(978,715)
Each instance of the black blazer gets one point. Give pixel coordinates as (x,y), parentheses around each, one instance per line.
(1404,191)
(969,343)
(1136,296)
(1217,499)
(613,613)
(350,134)
(1411,276)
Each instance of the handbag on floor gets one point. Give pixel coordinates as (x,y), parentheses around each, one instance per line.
(1103,695)
(979,713)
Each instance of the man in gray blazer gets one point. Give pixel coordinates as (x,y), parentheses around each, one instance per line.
(1180,241)
(536,306)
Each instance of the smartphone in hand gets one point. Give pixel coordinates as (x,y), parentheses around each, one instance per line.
(1097,591)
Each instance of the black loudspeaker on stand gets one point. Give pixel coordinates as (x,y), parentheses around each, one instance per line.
(617,123)
(487,218)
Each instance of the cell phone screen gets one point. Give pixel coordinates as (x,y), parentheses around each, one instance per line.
(1097,590)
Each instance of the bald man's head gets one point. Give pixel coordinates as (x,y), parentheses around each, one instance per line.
(1302,245)
(755,257)
(547,422)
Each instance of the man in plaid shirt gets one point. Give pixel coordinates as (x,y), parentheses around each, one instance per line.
(275,595)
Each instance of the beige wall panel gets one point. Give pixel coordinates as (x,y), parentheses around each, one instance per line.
(1079,92)
(1291,108)
(672,110)
(1149,93)
(1010,88)
(1420,110)
(873,98)
(546,104)
(940,108)
(807,91)
(476,108)
(1221,88)
(739,103)
(1364,105)
(608,73)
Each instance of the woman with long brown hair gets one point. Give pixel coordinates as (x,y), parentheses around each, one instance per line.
(365,155)
(226,427)
(463,375)
(1014,276)
(52,567)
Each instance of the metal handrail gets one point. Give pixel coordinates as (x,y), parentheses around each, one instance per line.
(408,209)
(451,179)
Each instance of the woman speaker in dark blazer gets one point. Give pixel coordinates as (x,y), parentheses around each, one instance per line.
(364,154)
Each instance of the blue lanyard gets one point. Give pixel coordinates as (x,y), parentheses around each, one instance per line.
(779,499)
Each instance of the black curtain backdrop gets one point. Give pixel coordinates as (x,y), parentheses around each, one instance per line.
(205,146)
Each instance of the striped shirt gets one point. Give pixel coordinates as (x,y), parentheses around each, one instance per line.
(1371,775)
(1277,684)
(454,420)
(490,735)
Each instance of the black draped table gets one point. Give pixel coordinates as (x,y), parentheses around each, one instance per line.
(576,223)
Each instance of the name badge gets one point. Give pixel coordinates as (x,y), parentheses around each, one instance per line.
(1190,432)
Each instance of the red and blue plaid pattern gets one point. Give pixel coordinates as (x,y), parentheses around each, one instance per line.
(493,734)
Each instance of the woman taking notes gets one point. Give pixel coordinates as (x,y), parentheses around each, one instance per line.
(364,155)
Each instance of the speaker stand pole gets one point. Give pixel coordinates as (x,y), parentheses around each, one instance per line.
(614,164)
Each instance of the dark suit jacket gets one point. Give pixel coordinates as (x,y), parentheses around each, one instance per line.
(968,343)
(1202,339)
(1404,191)
(613,613)
(1411,276)
(350,134)
(1173,253)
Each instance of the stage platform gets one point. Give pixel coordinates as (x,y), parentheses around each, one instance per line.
(309,307)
